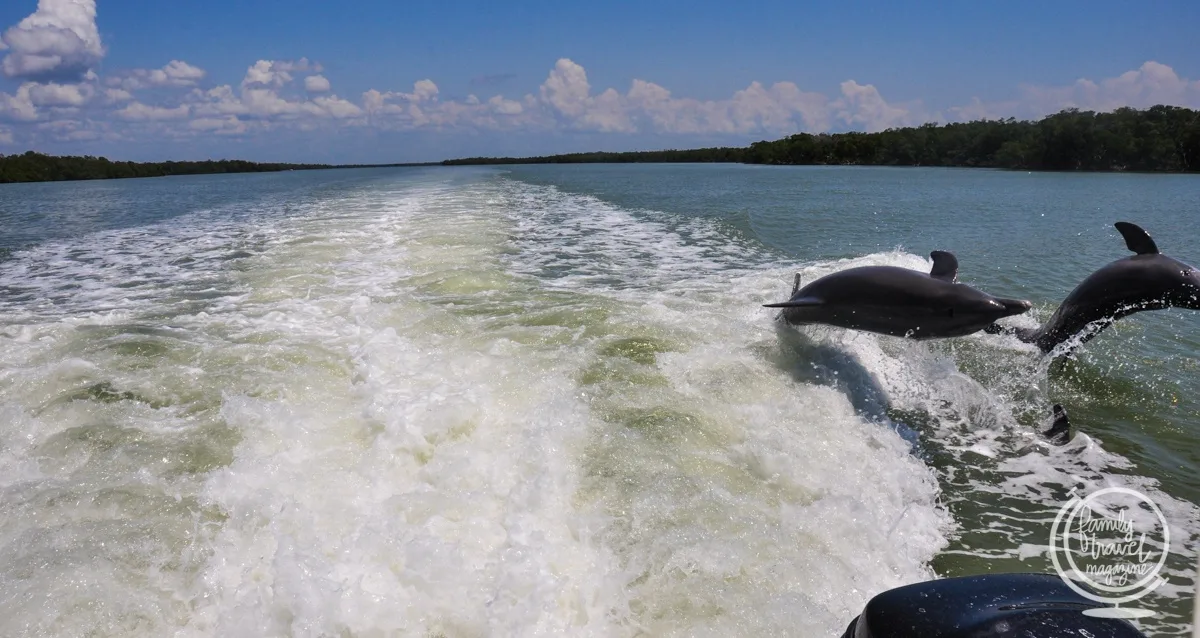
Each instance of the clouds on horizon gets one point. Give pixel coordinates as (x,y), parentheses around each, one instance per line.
(54,53)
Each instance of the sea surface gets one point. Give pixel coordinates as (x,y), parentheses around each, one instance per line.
(546,400)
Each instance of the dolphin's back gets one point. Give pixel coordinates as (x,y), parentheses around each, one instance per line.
(877,286)
(1140,277)
(1120,288)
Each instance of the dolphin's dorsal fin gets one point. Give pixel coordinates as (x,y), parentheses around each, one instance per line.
(945,265)
(1137,239)
(795,303)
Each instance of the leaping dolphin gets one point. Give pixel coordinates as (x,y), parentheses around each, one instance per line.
(1148,280)
(898,301)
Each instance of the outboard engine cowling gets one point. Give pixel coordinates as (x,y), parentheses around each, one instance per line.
(993,605)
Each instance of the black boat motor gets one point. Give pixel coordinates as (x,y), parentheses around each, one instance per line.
(993,605)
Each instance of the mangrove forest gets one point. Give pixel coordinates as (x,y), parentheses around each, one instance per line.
(1160,138)
(36,167)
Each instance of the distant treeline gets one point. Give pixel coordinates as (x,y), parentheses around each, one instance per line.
(36,167)
(722,154)
(1160,138)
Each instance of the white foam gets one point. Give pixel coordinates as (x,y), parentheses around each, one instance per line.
(459,478)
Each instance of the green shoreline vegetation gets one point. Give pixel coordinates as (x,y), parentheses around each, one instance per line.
(1158,139)
(36,167)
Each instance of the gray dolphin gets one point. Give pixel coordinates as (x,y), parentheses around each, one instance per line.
(898,301)
(1147,280)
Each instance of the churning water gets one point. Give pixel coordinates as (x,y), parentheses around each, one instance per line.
(547,401)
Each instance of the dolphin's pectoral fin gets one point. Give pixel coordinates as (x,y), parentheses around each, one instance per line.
(945,266)
(796,286)
(803,302)
(1025,335)
(997,329)
(1137,239)
(1060,432)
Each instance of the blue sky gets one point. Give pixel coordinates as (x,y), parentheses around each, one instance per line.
(375,81)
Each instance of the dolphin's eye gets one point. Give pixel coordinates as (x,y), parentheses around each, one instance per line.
(950,313)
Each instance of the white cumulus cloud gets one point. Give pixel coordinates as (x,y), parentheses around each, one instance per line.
(423,90)
(51,94)
(1153,83)
(70,130)
(277,73)
(18,107)
(566,89)
(316,84)
(337,107)
(182,72)
(229,125)
(407,107)
(59,41)
(863,108)
(138,112)
(175,73)
(117,96)
(500,105)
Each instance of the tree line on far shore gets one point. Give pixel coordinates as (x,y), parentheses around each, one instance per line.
(1160,138)
(37,167)
(724,154)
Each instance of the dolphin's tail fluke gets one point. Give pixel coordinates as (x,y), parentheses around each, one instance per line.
(1060,432)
